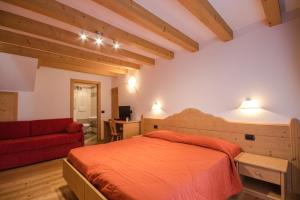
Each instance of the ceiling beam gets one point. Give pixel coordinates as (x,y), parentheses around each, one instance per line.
(76,68)
(76,18)
(28,25)
(138,14)
(208,15)
(78,62)
(43,45)
(51,59)
(272,12)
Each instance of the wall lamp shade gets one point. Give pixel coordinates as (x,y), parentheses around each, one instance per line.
(156,107)
(250,104)
(132,82)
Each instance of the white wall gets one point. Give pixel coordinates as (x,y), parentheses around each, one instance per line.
(17,72)
(263,63)
(51,95)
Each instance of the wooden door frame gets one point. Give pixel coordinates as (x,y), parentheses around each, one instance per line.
(15,108)
(98,85)
(114,108)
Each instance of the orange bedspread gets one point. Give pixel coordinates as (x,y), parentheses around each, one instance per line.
(161,165)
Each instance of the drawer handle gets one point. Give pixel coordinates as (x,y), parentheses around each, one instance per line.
(258,173)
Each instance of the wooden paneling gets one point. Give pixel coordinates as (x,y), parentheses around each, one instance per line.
(272,12)
(115,103)
(28,25)
(295,140)
(43,45)
(206,13)
(138,14)
(76,18)
(8,106)
(272,140)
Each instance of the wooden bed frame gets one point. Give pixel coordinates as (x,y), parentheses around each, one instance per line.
(275,140)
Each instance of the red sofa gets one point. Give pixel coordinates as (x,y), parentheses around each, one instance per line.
(27,142)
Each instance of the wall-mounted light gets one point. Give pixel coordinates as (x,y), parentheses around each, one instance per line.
(249,103)
(132,82)
(156,108)
(250,107)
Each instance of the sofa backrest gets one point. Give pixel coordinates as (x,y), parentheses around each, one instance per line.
(48,126)
(12,130)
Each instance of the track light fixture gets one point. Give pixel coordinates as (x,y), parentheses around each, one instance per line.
(83,36)
(116,45)
(99,39)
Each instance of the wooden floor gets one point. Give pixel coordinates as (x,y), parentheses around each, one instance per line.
(42,181)
(90,138)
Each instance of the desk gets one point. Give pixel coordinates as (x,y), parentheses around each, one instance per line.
(128,129)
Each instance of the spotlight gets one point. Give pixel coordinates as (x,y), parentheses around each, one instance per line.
(99,41)
(83,36)
(116,45)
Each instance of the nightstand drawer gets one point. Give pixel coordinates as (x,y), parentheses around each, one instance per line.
(260,173)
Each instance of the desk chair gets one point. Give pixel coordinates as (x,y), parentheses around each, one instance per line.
(113,131)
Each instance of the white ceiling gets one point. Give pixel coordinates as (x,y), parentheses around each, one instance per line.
(237,13)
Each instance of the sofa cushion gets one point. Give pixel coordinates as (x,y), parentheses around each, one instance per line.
(11,130)
(49,126)
(74,127)
(38,142)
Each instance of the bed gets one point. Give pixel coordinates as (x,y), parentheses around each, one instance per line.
(168,165)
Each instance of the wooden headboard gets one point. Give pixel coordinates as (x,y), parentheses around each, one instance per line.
(275,140)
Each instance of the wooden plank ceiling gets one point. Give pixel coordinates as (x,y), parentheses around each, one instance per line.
(60,48)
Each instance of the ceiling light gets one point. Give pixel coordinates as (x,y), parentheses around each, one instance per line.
(116,45)
(83,36)
(99,41)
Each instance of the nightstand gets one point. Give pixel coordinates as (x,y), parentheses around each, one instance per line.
(262,176)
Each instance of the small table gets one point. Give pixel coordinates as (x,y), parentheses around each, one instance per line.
(263,176)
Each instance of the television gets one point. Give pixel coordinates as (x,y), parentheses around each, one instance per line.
(124,112)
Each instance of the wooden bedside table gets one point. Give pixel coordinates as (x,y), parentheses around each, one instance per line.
(262,176)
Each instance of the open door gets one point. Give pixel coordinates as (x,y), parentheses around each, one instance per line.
(85,107)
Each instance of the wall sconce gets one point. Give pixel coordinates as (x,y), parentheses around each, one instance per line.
(156,107)
(132,82)
(250,107)
(249,103)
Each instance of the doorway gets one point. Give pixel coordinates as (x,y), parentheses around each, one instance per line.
(85,108)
